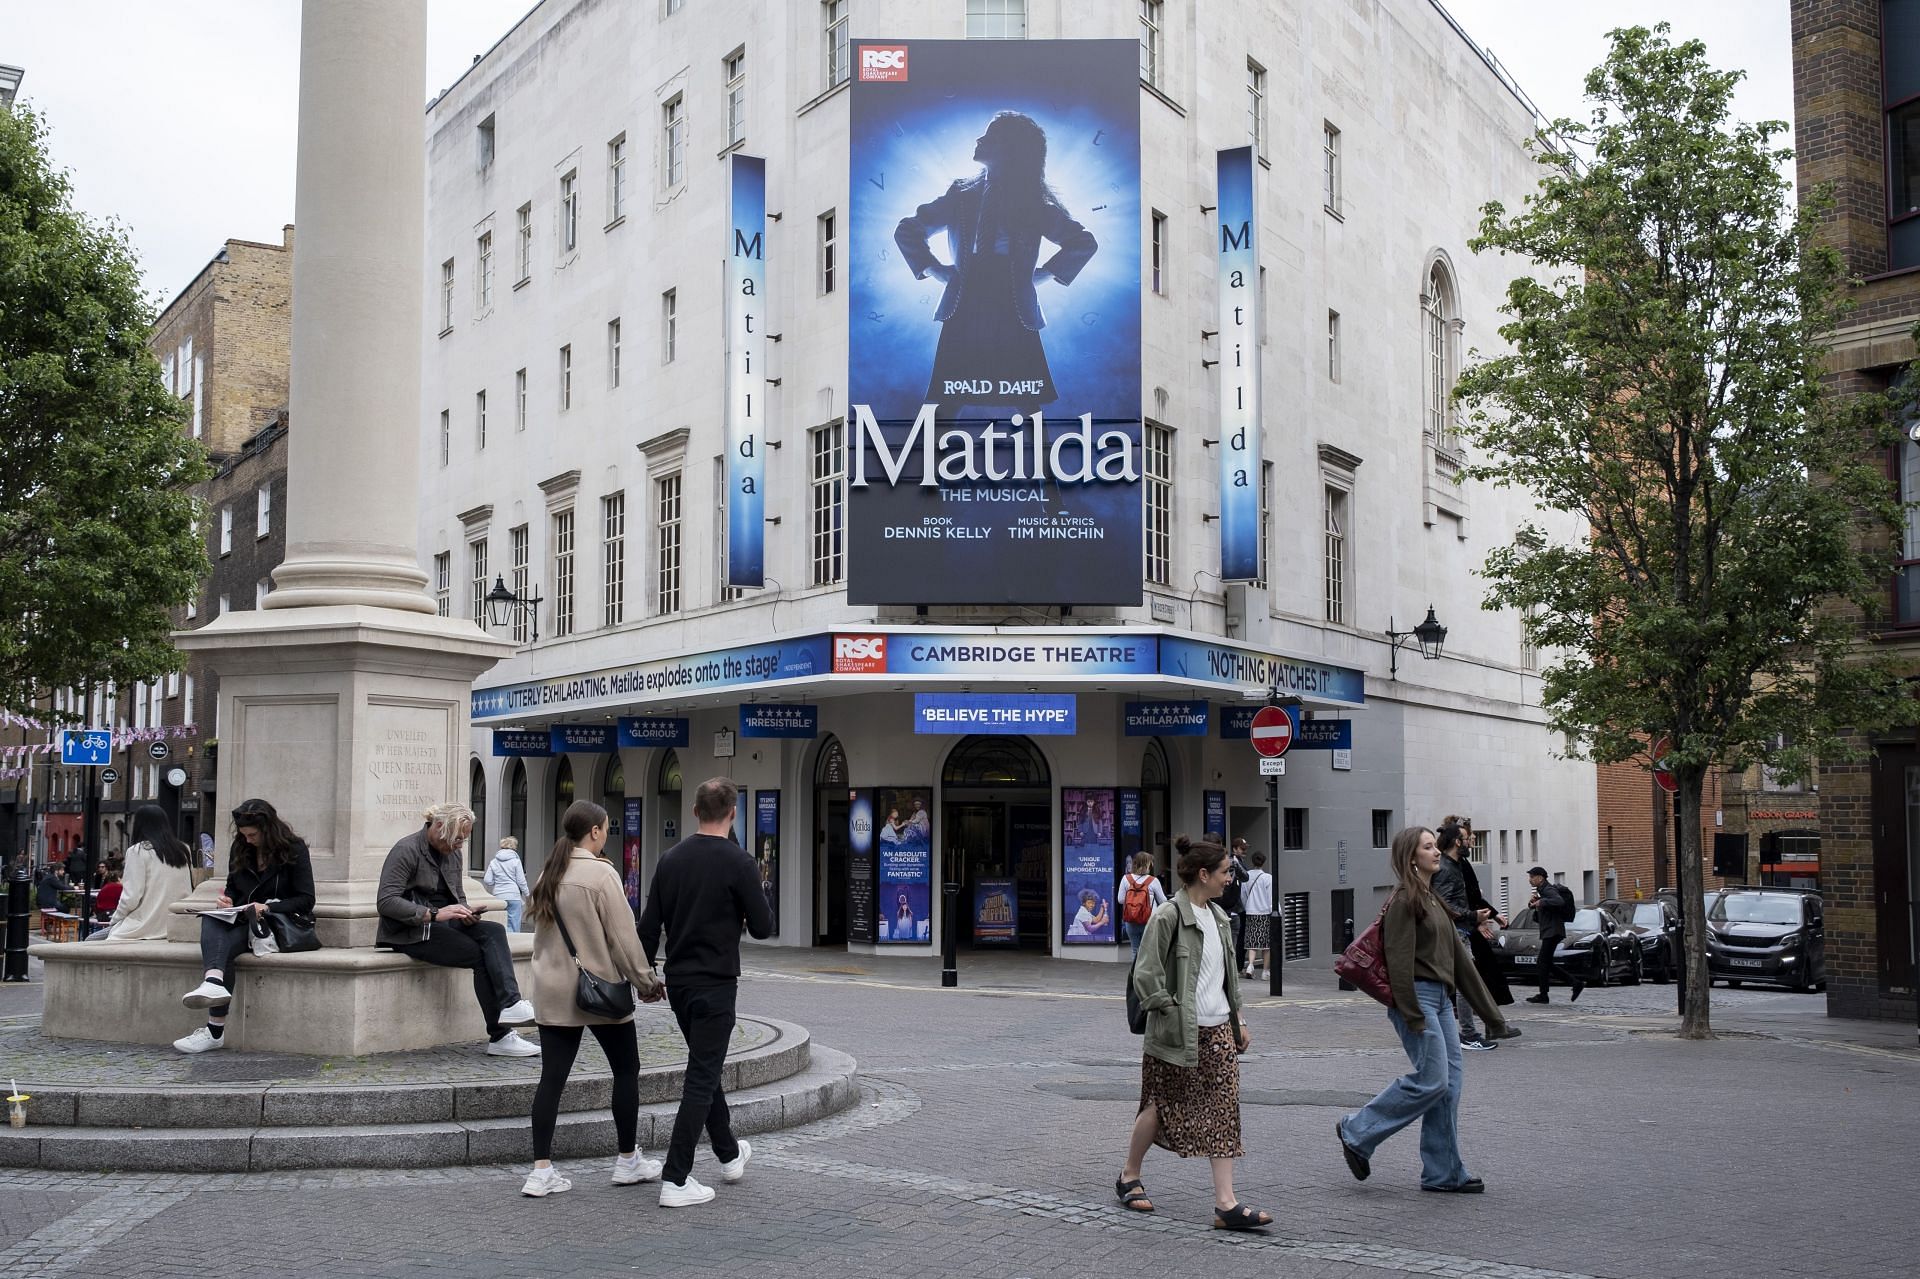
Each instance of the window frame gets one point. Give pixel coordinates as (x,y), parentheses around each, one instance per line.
(613,354)
(613,558)
(616,180)
(669,543)
(520,565)
(1153,16)
(669,324)
(673,141)
(560,531)
(524,247)
(476,579)
(827,503)
(836,27)
(1294,835)
(986,13)
(1257,108)
(1157,442)
(483,271)
(446,297)
(566,377)
(1332,179)
(570,212)
(733,79)
(1157,251)
(827,250)
(519,400)
(442,584)
(263,510)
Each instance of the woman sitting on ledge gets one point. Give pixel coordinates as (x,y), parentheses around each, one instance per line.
(158,874)
(267,870)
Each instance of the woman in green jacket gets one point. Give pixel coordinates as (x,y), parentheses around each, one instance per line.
(1184,976)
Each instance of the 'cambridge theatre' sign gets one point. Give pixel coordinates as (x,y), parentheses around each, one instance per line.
(993,382)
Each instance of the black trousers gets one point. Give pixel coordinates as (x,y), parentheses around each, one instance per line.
(705,1014)
(482,947)
(1239,922)
(220,944)
(559,1045)
(1547,946)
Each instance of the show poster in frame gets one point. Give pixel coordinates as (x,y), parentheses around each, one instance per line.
(630,848)
(1088,874)
(994,450)
(996,913)
(860,923)
(903,850)
(1213,821)
(766,849)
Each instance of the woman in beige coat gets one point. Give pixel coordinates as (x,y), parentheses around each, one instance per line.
(583,891)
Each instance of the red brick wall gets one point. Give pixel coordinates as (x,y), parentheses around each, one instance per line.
(1636,840)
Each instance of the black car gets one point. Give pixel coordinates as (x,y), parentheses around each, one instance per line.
(1657,924)
(1598,950)
(1774,935)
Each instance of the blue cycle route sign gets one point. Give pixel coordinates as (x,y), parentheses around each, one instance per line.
(86,747)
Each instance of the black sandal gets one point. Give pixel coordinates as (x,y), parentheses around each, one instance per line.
(1133,1195)
(1240,1217)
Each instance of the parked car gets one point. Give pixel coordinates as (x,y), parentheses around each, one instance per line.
(1772,935)
(1657,924)
(1598,950)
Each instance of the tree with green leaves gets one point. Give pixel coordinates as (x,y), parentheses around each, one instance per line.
(98,536)
(1665,382)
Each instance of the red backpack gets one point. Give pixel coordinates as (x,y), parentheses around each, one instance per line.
(1138,906)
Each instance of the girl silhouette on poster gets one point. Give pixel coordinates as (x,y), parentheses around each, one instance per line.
(989,313)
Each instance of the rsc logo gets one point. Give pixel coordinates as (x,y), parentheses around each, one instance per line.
(883,62)
(859,654)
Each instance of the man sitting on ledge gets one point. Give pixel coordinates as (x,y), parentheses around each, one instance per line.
(424,913)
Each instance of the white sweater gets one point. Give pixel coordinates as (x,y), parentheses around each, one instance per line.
(147,888)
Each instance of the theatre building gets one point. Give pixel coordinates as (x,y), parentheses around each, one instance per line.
(954,420)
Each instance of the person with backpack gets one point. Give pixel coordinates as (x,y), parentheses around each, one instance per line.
(1553,909)
(1257,931)
(506,879)
(1140,893)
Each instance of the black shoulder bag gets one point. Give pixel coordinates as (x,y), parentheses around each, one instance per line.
(1136,1014)
(595,996)
(291,933)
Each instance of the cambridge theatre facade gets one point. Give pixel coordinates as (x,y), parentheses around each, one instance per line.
(953,431)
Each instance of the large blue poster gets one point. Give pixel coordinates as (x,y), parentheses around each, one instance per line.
(746,368)
(994,444)
(903,845)
(1240,419)
(1087,864)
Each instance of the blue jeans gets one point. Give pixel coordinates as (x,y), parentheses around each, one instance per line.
(514,912)
(1430,1092)
(1134,933)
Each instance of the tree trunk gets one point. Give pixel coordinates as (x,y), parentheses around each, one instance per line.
(1695,1021)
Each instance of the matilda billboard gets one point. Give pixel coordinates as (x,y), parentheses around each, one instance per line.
(994,444)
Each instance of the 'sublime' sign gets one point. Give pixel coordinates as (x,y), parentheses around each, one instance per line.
(1029,713)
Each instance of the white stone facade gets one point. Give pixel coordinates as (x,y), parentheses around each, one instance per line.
(1426,133)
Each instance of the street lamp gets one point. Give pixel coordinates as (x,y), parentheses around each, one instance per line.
(503,604)
(1431,635)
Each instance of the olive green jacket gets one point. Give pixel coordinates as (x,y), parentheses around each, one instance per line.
(1164,975)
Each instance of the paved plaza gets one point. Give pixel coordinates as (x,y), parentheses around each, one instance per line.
(993,1120)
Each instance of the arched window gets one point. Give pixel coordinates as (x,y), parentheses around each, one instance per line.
(562,791)
(1011,762)
(831,768)
(1440,311)
(478,850)
(517,804)
(613,785)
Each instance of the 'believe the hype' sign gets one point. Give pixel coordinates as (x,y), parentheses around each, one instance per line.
(1003,713)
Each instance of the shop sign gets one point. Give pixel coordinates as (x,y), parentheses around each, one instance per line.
(747,666)
(769,720)
(581,737)
(1229,665)
(1037,714)
(1167,719)
(522,741)
(994,433)
(654,730)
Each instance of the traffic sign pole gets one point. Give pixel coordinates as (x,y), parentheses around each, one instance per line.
(89,830)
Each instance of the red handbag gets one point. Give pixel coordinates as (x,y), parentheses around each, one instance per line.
(1364,963)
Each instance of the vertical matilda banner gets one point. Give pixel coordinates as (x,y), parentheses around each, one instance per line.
(993,381)
(746,379)
(1239,369)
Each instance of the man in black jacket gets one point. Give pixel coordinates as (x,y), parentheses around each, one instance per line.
(1552,907)
(1450,885)
(704,889)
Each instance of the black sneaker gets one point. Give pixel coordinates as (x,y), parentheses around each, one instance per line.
(1357,1164)
(1537,999)
(1578,986)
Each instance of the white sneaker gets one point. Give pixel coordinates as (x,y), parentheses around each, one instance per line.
(516,1014)
(205,994)
(200,1041)
(672,1196)
(631,1172)
(512,1045)
(542,1182)
(734,1171)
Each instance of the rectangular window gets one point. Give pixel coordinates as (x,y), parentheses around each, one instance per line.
(1506,893)
(483,271)
(829,496)
(996,19)
(1293,828)
(263,510)
(1266,521)
(446,435)
(723,592)
(477,581)
(569,211)
(480,419)
(1477,851)
(674,6)
(666,507)
(735,70)
(443,583)
(523,266)
(519,563)
(1503,848)
(483,138)
(613,353)
(669,323)
(1330,167)
(1299,928)
(260,589)
(562,573)
(193,609)
(226,530)
(566,377)
(1257,107)
(1382,827)
(1529,655)
(173,683)
(617,179)
(829,251)
(519,399)
(834,14)
(673,140)
(1336,555)
(1151,14)
(446,297)
(1157,255)
(1159,496)
(1333,346)
(613,559)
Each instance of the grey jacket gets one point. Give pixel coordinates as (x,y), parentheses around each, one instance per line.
(412,870)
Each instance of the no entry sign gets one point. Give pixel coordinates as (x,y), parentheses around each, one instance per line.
(1271,731)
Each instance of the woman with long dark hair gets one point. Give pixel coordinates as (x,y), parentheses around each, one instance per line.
(581,920)
(1426,962)
(1185,978)
(268,870)
(158,873)
(989,314)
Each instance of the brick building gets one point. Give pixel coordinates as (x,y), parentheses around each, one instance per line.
(1638,856)
(1856,70)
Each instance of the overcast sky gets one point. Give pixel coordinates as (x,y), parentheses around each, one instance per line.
(178,118)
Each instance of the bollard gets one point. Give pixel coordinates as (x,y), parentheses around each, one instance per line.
(1346,940)
(19,919)
(950,935)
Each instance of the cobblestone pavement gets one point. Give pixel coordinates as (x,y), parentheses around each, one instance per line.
(993,1121)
